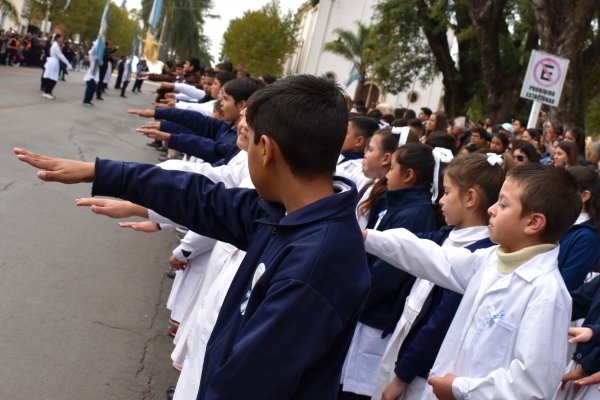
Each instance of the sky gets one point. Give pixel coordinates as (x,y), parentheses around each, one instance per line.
(214,28)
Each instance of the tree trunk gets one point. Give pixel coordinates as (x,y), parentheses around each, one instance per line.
(562,26)
(455,91)
(359,89)
(502,89)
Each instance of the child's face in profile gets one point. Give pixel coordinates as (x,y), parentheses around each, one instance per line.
(231,111)
(374,163)
(452,203)
(395,176)
(506,224)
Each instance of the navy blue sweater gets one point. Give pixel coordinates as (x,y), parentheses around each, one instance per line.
(408,208)
(579,252)
(586,304)
(212,139)
(422,343)
(286,334)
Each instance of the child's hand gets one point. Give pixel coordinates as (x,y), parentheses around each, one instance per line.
(151,125)
(176,264)
(144,226)
(57,169)
(442,387)
(113,208)
(154,133)
(577,373)
(394,389)
(588,380)
(580,335)
(364,234)
(142,113)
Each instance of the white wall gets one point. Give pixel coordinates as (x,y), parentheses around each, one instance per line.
(316,29)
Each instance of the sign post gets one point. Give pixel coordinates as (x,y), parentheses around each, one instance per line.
(543,82)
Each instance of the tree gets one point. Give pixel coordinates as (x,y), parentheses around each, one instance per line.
(183,35)
(83,18)
(8,8)
(495,39)
(356,48)
(260,40)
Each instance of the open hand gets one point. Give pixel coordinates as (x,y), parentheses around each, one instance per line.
(144,226)
(154,133)
(142,113)
(113,208)
(588,380)
(576,374)
(57,169)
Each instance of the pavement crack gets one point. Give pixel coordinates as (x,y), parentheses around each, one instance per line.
(149,389)
(80,153)
(7,186)
(121,328)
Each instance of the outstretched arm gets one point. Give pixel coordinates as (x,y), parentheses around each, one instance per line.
(57,169)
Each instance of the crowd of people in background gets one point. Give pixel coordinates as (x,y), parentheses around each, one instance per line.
(470,296)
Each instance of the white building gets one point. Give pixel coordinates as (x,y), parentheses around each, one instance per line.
(8,23)
(317,24)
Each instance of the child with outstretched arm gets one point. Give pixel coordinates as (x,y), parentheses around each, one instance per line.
(507,338)
(287,320)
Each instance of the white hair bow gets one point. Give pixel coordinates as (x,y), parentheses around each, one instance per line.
(495,159)
(440,155)
(403,132)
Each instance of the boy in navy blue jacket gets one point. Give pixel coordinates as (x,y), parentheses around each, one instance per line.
(289,315)
(204,137)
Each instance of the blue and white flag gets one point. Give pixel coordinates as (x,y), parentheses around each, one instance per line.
(134,43)
(100,42)
(155,14)
(354,74)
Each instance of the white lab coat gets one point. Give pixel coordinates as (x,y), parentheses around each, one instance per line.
(203,108)
(107,74)
(352,169)
(93,71)
(186,281)
(508,339)
(52,65)
(414,303)
(230,174)
(188,92)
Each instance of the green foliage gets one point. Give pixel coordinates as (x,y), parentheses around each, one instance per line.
(83,18)
(355,47)
(261,39)
(592,118)
(7,7)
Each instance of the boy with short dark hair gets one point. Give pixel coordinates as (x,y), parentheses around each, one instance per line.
(289,315)
(507,338)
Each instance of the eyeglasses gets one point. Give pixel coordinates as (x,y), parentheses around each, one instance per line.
(520,158)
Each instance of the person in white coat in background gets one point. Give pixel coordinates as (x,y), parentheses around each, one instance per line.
(52,67)
(92,77)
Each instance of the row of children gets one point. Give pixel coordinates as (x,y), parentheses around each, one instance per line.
(477,304)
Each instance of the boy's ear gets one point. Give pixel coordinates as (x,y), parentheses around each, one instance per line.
(240,105)
(360,142)
(536,223)
(268,148)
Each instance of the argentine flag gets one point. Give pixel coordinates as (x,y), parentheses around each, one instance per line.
(101,40)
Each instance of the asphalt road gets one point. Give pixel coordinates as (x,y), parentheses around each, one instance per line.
(82,301)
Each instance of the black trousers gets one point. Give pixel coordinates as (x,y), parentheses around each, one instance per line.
(124,87)
(48,85)
(90,89)
(137,85)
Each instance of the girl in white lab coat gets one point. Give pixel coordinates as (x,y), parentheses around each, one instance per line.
(471,186)
(52,67)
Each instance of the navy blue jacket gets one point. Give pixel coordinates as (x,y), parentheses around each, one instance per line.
(408,208)
(422,343)
(586,304)
(579,252)
(285,336)
(218,136)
